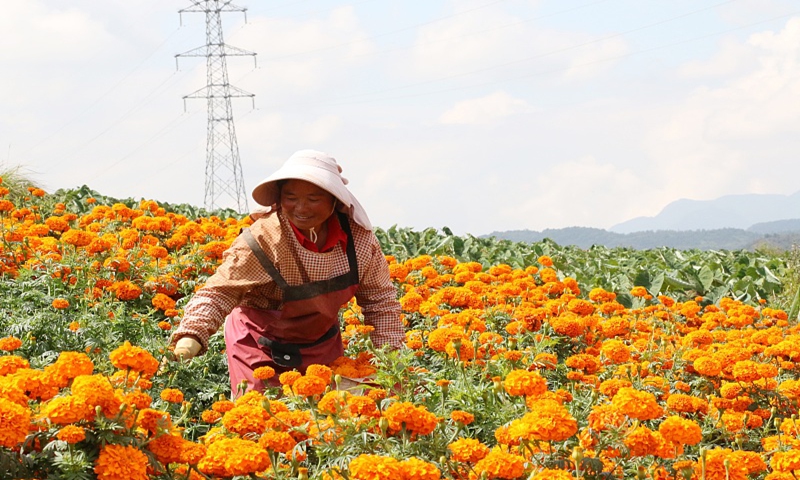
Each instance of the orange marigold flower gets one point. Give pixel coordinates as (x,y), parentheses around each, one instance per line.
(74,326)
(60,303)
(125,290)
(288,378)
(615,351)
(15,421)
(680,430)
(415,419)
(71,434)
(322,371)
(468,450)
(462,417)
(163,302)
(167,448)
(524,383)
(309,385)
(548,421)
(552,474)
(154,420)
(228,457)
(416,469)
(639,291)
(222,406)
(121,462)
(264,373)
(172,395)
(374,467)
(10,343)
(245,418)
(637,404)
(134,358)
(66,410)
(641,442)
(281,442)
(501,464)
(545,261)
(210,416)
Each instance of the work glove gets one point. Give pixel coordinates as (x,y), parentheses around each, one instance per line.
(186,348)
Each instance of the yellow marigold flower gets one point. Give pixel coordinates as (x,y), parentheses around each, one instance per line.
(524,383)
(415,419)
(374,467)
(15,421)
(637,404)
(501,464)
(680,430)
(264,373)
(10,343)
(462,417)
(172,395)
(134,358)
(71,434)
(121,462)
(60,303)
(468,450)
(228,457)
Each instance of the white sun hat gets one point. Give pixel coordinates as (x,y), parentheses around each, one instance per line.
(320,169)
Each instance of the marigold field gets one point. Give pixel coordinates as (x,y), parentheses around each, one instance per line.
(532,362)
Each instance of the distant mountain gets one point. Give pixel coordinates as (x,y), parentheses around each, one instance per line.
(719,239)
(778,226)
(730,211)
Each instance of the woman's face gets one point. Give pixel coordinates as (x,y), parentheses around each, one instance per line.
(306,205)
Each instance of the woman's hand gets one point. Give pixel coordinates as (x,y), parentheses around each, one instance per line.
(186,348)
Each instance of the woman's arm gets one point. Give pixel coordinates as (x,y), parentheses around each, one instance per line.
(377,297)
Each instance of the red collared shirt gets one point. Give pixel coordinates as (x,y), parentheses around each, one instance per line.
(335,236)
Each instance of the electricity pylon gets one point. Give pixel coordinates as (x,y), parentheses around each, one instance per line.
(223,166)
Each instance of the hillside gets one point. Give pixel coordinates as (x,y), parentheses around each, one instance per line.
(718,239)
(730,211)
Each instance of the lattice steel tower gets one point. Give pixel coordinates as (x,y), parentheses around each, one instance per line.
(223,166)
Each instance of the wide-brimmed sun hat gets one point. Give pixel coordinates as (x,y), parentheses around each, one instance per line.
(320,169)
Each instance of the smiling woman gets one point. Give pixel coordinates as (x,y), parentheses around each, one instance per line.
(283,280)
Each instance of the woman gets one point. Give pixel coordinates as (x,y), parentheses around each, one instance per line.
(282,282)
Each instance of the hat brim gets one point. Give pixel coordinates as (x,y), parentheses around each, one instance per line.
(267,193)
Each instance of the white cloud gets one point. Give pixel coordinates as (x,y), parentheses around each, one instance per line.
(484,110)
(737,135)
(581,192)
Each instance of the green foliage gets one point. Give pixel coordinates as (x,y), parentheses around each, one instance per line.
(683,274)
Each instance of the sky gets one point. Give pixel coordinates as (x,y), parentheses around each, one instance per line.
(476,115)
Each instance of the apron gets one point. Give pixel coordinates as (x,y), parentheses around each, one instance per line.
(303,332)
